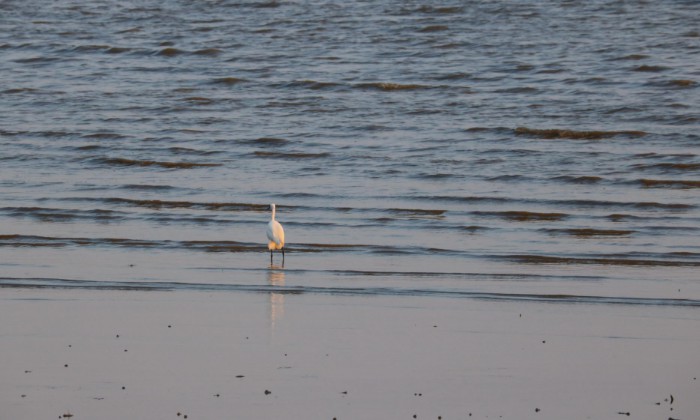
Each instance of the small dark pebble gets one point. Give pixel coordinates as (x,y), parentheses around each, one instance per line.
(125,350)
(415,416)
(268,392)
(170,326)
(624,413)
(117,335)
(537,410)
(24,395)
(70,345)
(179,414)
(65,365)
(240,376)
(185,416)
(27,371)
(544,341)
(123,387)
(217,395)
(344,392)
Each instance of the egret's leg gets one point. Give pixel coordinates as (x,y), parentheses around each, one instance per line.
(282,256)
(270,257)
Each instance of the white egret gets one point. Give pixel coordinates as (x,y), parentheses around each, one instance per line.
(275,235)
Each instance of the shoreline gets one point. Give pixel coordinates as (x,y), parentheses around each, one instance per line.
(111,354)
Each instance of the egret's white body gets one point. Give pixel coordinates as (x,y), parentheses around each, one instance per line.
(275,235)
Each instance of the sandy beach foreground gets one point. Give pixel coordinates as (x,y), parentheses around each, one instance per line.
(97,354)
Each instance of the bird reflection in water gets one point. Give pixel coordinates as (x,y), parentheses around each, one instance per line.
(275,278)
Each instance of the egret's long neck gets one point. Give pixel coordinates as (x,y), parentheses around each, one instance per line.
(273,212)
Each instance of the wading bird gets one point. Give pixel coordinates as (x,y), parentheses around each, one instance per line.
(275,235)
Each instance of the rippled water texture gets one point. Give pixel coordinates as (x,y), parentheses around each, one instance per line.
(495,150)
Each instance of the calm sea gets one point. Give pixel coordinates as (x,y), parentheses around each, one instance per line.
(545,151)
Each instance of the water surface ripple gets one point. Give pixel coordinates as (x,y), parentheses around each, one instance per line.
(544,151)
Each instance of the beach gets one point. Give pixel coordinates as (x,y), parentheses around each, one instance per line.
(490,209)
(116,354)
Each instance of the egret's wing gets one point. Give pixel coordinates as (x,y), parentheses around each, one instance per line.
(271,232)
(279,233)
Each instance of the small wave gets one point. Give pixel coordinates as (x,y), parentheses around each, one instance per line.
(161,204)
(189,151)
(614,261)
(522,89)
(170,52)
(152,163)
(117,50)
(267,141)
(578,179)
(54,215)
(390,87)
(272,4)
(18,90)
(229,81)
(36,60)
(90,48)
(507,178)
(667,167)
(146,187)
(587,233)
(209,246)
(579,204)
(632,57)
(440,9)
(524,216)
(208,52)
(418,212)
(314,85)
(454,76)
(198,100)
(62,283)
(104,136)
(555,133)
(290,155)
(648,68)
(90,147)
(669,183)
(434,28)
(680,83)
(473,228)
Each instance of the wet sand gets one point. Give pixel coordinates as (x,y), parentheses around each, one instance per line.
(113,354)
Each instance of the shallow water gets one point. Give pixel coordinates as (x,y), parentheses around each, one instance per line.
(490,150)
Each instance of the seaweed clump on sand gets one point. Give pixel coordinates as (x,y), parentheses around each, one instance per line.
(557,133)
